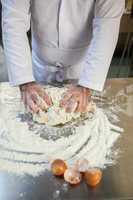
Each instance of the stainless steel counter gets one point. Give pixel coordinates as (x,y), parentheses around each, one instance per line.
(117,180)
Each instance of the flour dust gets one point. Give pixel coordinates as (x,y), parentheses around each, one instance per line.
(28,148)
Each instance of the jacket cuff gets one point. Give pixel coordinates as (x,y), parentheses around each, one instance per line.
(91,85)
(22,81)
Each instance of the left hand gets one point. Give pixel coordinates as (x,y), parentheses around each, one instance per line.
(76,99)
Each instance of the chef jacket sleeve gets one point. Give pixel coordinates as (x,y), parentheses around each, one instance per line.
(15,24)
(106,25)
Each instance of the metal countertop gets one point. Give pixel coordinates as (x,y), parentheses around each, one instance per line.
(117,180)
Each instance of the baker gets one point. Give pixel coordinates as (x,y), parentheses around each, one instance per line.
(71,39)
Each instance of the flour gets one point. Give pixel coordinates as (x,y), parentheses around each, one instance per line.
(56,115)
(27,147)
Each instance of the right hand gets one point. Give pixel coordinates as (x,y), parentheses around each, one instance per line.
(34,97)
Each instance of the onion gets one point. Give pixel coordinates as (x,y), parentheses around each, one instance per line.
(58,167)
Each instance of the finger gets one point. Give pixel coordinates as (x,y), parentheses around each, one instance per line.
(38,100)
(88,108)
(65,99)
(41,103)
(89,97)
(45,97)
(32,106)
(71,106)
(80,102)
(85,100)
(34,97)
(74,106)
(88,94)
(23,98)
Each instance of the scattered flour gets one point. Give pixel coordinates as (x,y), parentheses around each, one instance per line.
(56,115)
(27,147)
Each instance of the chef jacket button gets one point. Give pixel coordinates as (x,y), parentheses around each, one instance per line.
(58,64)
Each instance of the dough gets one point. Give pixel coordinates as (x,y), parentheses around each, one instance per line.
(56,115)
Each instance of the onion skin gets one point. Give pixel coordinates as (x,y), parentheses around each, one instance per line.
(58,167)
(82,165)
(72,176)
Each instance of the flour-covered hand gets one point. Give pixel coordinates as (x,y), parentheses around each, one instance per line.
(76,99)
(35,97)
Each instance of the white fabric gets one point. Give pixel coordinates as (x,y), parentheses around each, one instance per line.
(79,36)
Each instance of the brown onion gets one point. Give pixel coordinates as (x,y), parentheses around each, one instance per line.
(93,176)
(58,167)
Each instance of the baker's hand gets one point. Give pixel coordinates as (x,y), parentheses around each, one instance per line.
(76,99)
(34,97)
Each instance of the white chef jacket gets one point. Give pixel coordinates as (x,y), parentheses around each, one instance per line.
(68,37)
